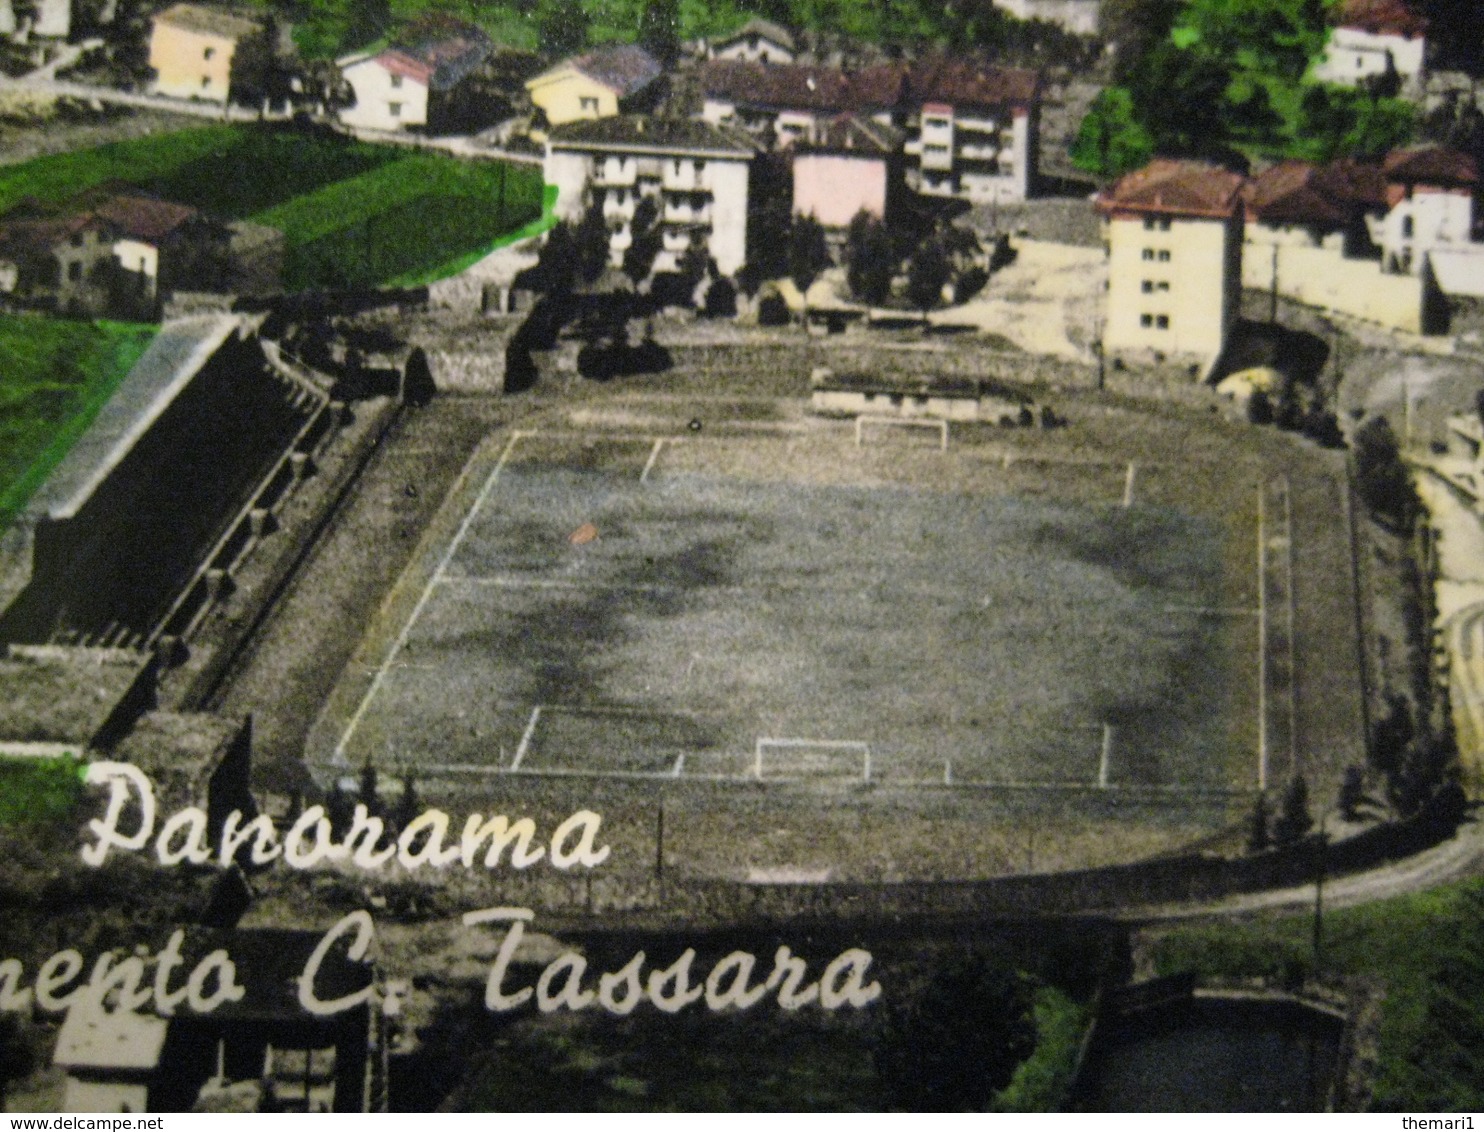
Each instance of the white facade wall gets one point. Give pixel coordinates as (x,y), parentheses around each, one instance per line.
(1354,55)
(720,217)
(1422,222)
(756,49)
(384,101)
(1080,17)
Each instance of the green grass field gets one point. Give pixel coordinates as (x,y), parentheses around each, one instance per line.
(55,374)
(353,214)
(1424,951)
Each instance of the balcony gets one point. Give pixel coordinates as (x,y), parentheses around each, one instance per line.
(612,175)
(687,214)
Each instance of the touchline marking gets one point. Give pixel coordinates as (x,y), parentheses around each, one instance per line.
(453,546)
(525,739)
(654,454)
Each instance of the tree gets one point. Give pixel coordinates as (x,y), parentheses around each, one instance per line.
(659,30)
(927,272)
(408,805)
(368,787)
(870,263)
(808,252)
(553,272)
(957,1041)
(1259,836)
(647,238)
(1352,793)
(590,245)
(1260,408)
(1111,140)
(561,26)
(1381,477)
(1293,819)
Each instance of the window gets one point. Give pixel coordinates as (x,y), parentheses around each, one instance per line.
(1146,320)
(76,239)
(1148,254)
(396,82)
(74,271)
(1162,285)
(1156,223)
(1407,227)
(1162,322)
(677,167)
(209,53)
(700,165)
(1164,256)
(588,105)
(1147,287)
(394,109)
(205,81)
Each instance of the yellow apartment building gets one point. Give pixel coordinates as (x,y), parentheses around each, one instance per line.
(1174,239)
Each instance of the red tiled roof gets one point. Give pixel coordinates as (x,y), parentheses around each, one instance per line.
(1189,188)
(966,82)
(145,218)
(209,20)
(1430,165)
(1380,17)
(438,55)
(1299,192)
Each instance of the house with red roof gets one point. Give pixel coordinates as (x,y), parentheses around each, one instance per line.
(612,80)
(1174,234)
(112,250)
(1430,192)
(420,83)
(1372,38)
(1339,206)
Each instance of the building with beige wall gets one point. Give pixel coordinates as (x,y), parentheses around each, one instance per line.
(1174,237)
(847,166)
(756,41)
(599,84)
(208,53)
(696,174)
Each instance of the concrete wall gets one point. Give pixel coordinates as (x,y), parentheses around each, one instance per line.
(1318,277)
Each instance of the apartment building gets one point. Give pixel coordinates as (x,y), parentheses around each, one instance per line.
(1371,38)
(696,174)
(1174,237)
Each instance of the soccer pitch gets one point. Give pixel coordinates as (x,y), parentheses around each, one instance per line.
(631,607)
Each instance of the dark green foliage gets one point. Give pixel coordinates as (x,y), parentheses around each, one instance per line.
(558,261)
(721,299)
(590,245)
(958,1040)
(408,806)
(648,239)
(1293,821)
(561,26)
(368,787)
(870,261)
(659,29)
(927,272)
(808,253)
(1352,793)
(1382,479)
(1259,836)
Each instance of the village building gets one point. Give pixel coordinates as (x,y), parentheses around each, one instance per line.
(1080,17)
(1296,203)
(209,53)
(262,1052)
(600,84)
(1430,192)
(970,129)
(421,83)
(847,166)
(756,41)
(1370,39)
(696,174)
(1174,238)
(112,250)
(781,104)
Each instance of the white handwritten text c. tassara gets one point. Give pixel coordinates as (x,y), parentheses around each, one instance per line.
(185,838)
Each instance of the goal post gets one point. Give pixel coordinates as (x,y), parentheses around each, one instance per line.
(804,755)
(935,423)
